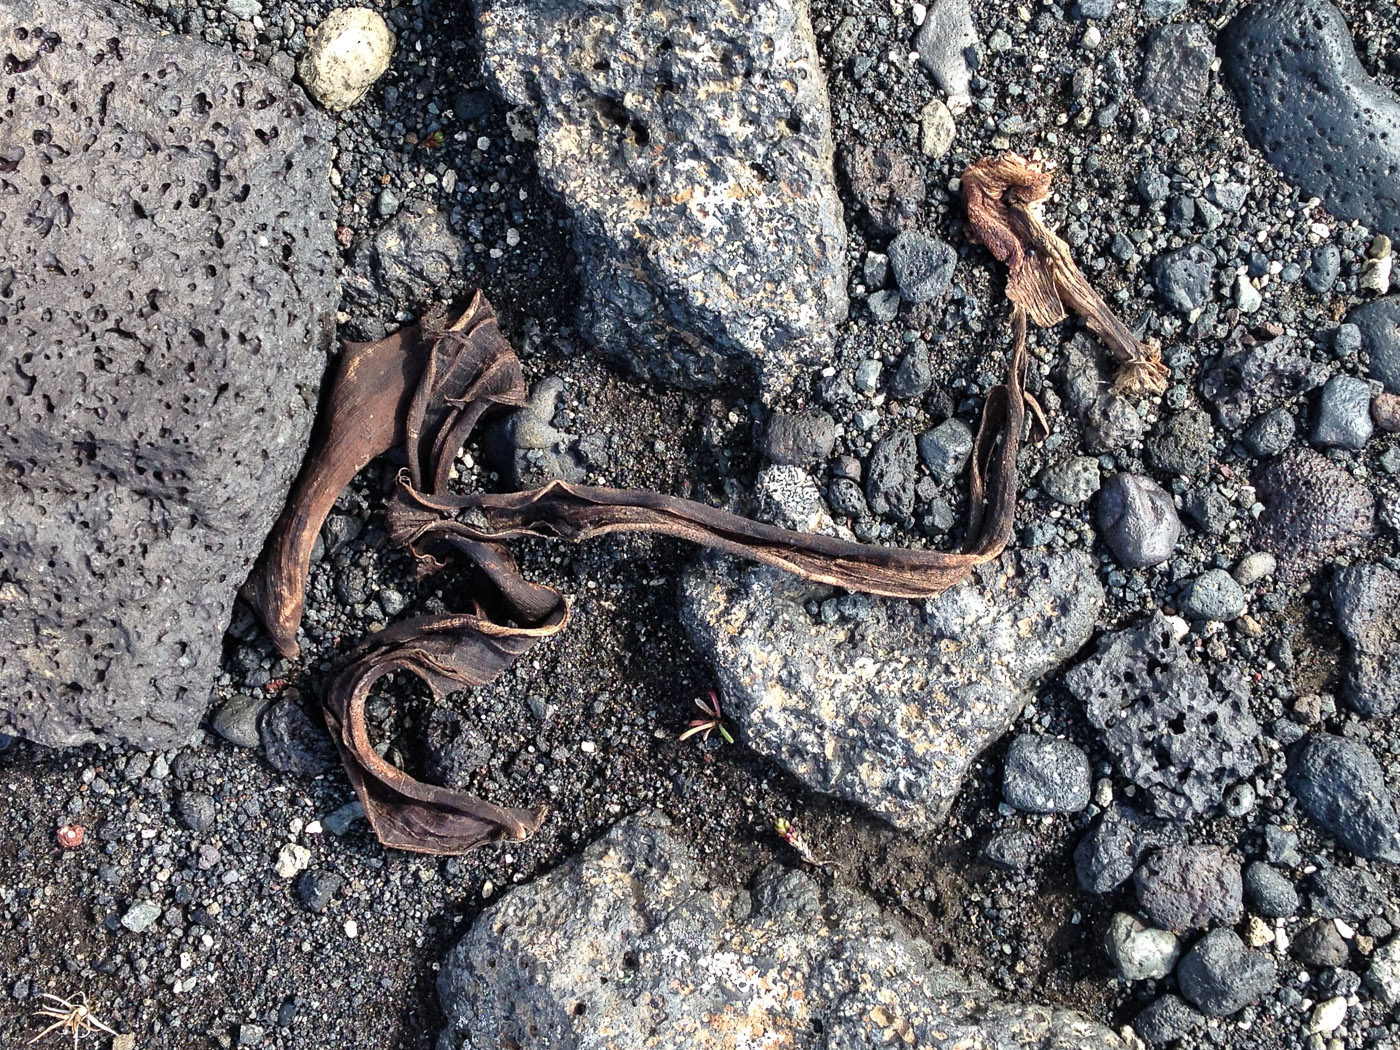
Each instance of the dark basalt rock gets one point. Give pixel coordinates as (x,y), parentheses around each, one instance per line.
(1309,106)
(1172,731)
(1341,785)
(167,288)
(1176,70)
(1379,324)
(1366,598)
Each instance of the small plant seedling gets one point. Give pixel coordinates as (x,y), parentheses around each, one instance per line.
(713,723)
(789,834)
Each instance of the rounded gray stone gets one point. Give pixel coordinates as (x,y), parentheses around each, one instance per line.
(1138,521)
(1213,595)
(1344,414)
(1044,774)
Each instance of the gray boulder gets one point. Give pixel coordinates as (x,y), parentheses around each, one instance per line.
(882,701)
(691,144)
(167,290)
(1306,100)
(632,946)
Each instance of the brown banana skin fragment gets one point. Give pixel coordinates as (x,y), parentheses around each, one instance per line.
(1004,196)
(424,390)
(373,407)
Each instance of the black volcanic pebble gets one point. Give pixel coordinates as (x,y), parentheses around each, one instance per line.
(1309,106)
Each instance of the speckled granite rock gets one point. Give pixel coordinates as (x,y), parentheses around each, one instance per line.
(881,701)
(631,946)
(1307,101)
(167,287)
(692,145)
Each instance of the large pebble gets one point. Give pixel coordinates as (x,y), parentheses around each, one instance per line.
(1344,414)
(1383,977)
(800,439)
(1220,976)
(922,265)
(1138,521)
(892,475)
(1184,887)
(1139,952)
(1183,278)
(1313,510)
(1366,600)
(1213,595)
(1176,70)
(942,44)
(1045,775)
(946,448)
(1379,326)
(1270,891)
(1341,785)
(349,51)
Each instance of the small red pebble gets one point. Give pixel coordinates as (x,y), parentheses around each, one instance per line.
(70,836)
(1385,410)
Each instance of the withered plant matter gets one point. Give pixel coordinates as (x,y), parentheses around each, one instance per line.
(1004,196)
(425,389)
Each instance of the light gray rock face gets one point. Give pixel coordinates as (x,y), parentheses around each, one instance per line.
(167,294)
(882,701)
(692,145)
(632,947)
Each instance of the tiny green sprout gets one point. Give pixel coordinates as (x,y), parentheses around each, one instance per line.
(432,140)
(714,723)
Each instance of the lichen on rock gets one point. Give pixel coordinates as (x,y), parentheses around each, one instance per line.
(886,702)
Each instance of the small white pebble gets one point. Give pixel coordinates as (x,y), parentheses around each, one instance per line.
(1328,1016)
(292,860)
(588,747)
(352,929)
(1092,38)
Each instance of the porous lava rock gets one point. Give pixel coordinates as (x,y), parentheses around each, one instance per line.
(1173,732)
(1313,510)
(632,946)
(691,144)
(882,701)
(1310,108)
(167,296)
